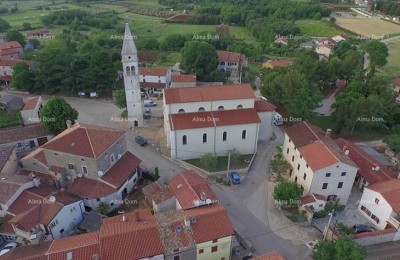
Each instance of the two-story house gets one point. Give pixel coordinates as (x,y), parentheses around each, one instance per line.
(232,62)
(380,204)
(214,119)
(30,113)
(370,170)
(90,161)
(318,165)
(152,78)
(11,50)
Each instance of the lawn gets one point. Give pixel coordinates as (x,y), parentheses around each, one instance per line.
(8,119)
(392,68)
(368,27)
(168,59)
(318,28)
(222,163)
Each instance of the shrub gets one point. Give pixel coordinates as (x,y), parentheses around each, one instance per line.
(209,161)
(103,208)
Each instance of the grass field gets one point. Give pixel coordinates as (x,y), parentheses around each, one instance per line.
(392,68)
(222,163)
(368,27)
(317,28)
(8,119)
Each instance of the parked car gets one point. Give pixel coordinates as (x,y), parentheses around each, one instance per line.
(8,248)
(278,119)
(235,177)
(361,228)
(141,140)
(147,114)
(149,103)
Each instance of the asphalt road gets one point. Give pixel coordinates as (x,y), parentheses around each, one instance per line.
(386,251)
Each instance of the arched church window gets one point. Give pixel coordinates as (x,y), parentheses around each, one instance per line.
(133,69)
(128,70)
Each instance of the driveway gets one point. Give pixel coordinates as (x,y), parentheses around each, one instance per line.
(326,104)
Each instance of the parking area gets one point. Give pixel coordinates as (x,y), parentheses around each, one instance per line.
(349,216)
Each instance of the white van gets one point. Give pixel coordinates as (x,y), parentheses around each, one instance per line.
(149,103)
(278,119)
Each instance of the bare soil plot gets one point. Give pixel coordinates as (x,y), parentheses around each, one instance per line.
(374,28)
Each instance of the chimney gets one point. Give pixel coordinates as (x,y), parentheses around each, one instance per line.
(328,132)
(187,223)
(203,196)
(137,217)
(123,217)
(69,123)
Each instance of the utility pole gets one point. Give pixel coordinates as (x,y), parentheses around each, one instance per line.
(329,223)
(229,163)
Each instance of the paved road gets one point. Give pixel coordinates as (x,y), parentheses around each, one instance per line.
(386,251)
(326,104)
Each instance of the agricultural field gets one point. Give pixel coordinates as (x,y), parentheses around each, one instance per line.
(318,28)
(368,27)
(392,68)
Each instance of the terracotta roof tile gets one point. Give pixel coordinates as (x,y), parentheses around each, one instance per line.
(229,56)
(153,71)
(264,106)
(319,196)
(148,56)
(178,77)
(279,63)
(130,239)
(8,45)
(31,252)
(213,119)
(389,191)
(11,63)
(97,188)
(317,155)
(20,133)
(84,140)
(83,246)
(7,190)
(5,154)
(188,187)
(39,156)
(281,40)
(307,199)
(365,163)
(154,192)
(212,222)
(270,256)
(208,93)
(122,170)
(31,104)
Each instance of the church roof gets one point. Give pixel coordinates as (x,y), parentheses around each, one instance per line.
(128,46)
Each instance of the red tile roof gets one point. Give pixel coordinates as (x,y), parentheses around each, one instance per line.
(188,187)
(178,77)
(279,63)
(11,63)
(270,256)
(313,197)
(83,246)
(212,222)
(15,134)
(152,85)
(84,140)
(281,40)
(6,227)
(264,106)
(8,45)
(7,190)
(365,163)
(155,192)
(31,252)
(229,56)
(97,188)
(208,93)
(389,191)
(148,56)
(6,78)
(130,239)
(31,104)
(213,119)
(5,153)
(38,155)
(318,150)
(396,81)
(123,169)
(153,71)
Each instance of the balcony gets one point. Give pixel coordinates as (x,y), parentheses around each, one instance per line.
(394,221)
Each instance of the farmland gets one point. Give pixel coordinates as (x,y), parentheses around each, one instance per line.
(392,68)
(368,27)
(317,28)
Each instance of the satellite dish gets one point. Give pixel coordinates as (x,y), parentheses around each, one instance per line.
(119,156)
(346,152)
(100,173)
(52,199)
(208,201)
(197,203)
(377,168)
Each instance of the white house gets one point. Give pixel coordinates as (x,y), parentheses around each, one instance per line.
(152,78)
(315,201)
(380,204)
(214,119)
(232,62)
(30,113)
(340,37)
(324,50)
(318,165)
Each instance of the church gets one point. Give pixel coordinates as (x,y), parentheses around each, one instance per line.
(215,119)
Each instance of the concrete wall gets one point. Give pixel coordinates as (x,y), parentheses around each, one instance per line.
(183,84)
(266,126)
(104,160)
(210,105)
(34,165)
(153,79)
(11,164)
(185,253)
(21,144)
(382,210)
(156,257)
(374,238)
(69,217)
(166,205)
(224,249)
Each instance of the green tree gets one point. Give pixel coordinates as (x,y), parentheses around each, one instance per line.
(200,58)
(120,98)
(103,208)
(287,193)
(338,249)
(14,35)
(23,77)
(35,43)
(26,26)
(209,161)
(393,139)
(279,160)
(4,25)
(345,230)
(56,112)
(378,52)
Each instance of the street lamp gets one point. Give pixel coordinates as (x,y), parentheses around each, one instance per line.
(329,223)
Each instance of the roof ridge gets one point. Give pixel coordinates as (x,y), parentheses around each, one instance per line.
(190,186)
(90,141)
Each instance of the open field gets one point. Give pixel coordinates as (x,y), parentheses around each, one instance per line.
(317,28)
(368,27)
(222,163)
(8,119)
(392,68)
